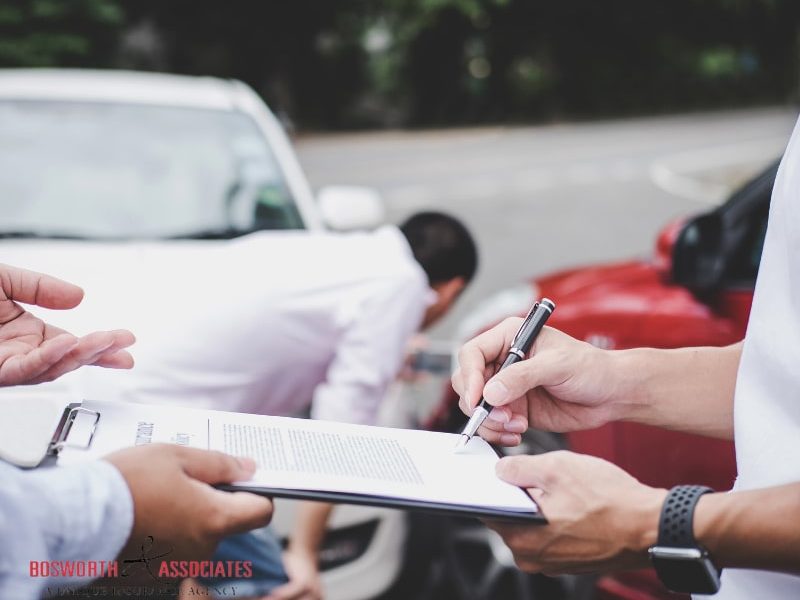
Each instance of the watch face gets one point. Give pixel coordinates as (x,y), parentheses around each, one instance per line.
(687,570)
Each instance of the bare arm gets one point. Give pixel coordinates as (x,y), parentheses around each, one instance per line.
(688,389)
(568,385)
(601,519)
(301,558)
(309,528)
(756,529)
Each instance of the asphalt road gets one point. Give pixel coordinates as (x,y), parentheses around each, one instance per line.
(547,197)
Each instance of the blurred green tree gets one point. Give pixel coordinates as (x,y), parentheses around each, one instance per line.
(50,33)
(362,63)
(490,60)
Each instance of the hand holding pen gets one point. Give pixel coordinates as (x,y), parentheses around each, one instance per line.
(519,348)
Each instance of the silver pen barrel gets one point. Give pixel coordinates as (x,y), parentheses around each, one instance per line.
(478,416)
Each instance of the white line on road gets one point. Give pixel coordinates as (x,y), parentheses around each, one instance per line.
(682,174)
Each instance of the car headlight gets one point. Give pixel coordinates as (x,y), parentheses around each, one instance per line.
(346,544)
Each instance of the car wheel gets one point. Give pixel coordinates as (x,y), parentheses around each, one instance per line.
(479,566)
(422,576)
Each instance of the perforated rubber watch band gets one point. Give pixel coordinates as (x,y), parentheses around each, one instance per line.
(682,564)
(675,529)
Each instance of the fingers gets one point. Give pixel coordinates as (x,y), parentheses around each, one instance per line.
(102,342)
(91,349)
(468,386)
(244,511)
(537,471)
(114,356)
(504,433)
(523,541)
(504,425)
(487,348)
(120,359)
(30,367)
(30,287)
(237,512)
(215,467)
(543,368)
(511,418)
(501,438)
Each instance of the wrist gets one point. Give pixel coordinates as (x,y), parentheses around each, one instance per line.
(628,396)
(682,562)
(645,520)
(709,516)
(304,551)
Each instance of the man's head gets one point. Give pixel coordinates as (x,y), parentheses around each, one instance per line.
(446,252)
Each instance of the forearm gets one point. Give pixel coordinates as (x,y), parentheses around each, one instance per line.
(90,510)
(686,389)
(309,529)
(62,514)
(757,529)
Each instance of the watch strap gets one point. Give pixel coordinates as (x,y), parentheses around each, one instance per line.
(675,528)
(681,563)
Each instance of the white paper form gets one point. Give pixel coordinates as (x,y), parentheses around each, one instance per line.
(323,456)
(123,425)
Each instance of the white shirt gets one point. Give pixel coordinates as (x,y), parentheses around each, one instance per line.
(81,513)
(767,401)
(267,323)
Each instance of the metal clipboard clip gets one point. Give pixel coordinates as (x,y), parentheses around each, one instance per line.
(71,412)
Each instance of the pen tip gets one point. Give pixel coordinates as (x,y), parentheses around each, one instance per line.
(462,442)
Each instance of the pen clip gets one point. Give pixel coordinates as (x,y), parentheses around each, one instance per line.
(527,320)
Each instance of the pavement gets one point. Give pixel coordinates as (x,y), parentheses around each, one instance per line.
(541,198)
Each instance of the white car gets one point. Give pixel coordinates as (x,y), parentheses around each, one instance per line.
(91,156)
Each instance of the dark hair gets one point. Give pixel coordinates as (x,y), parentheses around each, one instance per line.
(442,246)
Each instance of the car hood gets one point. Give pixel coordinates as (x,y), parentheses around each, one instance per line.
(631,287)
(600,280)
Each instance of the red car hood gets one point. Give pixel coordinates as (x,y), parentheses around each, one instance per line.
(632,287)
(599,281)
(633,304)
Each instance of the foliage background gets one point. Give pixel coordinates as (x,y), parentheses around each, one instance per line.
(336,64)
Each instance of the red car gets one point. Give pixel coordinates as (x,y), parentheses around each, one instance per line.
(696,290)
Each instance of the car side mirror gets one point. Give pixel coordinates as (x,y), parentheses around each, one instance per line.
(349,207)
(698,260)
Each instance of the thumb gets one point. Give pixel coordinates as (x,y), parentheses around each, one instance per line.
(215,467)
(537,471)
(246,511)
(515,381)
(31,287)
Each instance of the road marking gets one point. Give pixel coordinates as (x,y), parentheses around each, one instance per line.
(686,174)
(680,173)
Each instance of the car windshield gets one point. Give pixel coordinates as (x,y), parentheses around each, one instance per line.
(104,170)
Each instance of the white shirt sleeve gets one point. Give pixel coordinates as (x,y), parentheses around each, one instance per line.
(371,351)
(54,514)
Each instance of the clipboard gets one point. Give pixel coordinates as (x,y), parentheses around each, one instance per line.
(126,425)
(432,508)
(28,437)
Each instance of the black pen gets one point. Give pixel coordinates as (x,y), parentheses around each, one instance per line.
(520,345)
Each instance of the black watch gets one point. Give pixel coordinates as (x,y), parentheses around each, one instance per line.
(682,564)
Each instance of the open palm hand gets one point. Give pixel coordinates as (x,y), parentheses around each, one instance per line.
(32,351)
